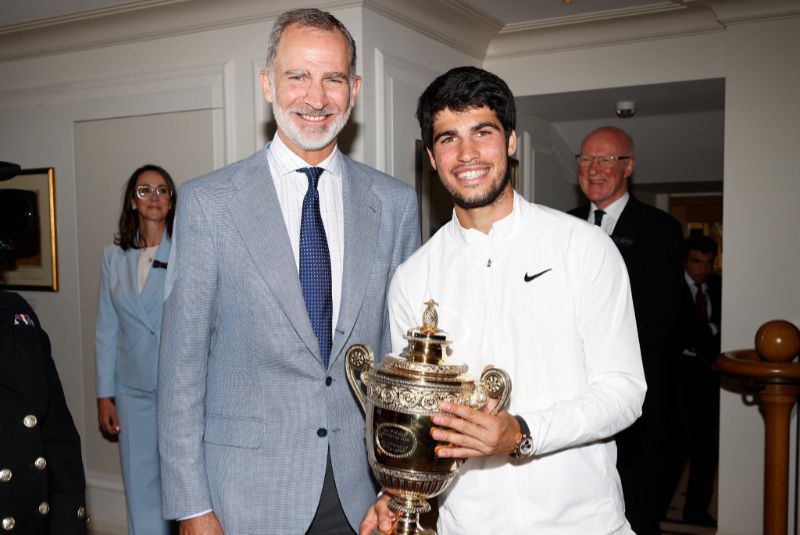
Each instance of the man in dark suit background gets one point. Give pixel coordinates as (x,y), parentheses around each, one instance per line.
(698,384)
(650,242)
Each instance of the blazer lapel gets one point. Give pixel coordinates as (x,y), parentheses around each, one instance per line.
(581,212)
(362,211)
(152,296)
(624,235)
(131,273)
(256,213)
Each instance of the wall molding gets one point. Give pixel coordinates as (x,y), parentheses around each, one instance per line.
(450,22)
(105,500)
(145,21)
(389,69)
(582,32)
(209,77)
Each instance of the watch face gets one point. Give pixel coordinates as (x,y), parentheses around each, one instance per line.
(526,447)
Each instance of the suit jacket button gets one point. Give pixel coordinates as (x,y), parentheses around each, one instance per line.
(30,421)
(322,432)
(9,523)
(5,475)
(40,463)
(44,508)
(81,512)
(328,381)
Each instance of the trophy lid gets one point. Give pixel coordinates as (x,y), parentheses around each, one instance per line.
(425,356)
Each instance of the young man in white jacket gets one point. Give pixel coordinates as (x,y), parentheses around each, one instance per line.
(539,293)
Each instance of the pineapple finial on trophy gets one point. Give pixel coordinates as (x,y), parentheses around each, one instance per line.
(430,318)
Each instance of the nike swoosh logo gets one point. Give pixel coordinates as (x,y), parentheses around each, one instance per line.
(529,278)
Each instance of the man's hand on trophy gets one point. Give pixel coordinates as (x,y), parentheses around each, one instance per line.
(379,518)
(474,433)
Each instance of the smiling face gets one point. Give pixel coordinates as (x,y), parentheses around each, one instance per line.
(311,91)
(604,186)
(153,207)
(470,154)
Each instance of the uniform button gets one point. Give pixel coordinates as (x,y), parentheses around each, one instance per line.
(328,381)
(30,421)
(40,463)
(9,523)
(81,512)
(322,432)
(5,475)
(44,508)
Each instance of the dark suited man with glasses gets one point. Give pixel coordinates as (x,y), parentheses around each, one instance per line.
(651,243)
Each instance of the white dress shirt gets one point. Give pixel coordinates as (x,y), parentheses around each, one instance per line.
(612,213)
(545,297)
(291,187)
(144,263)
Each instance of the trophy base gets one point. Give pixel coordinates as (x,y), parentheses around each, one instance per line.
(410,509)
(412,527)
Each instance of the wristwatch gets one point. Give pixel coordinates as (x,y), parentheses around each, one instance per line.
(524,447)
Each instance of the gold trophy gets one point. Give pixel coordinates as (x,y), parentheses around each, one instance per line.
(399,398)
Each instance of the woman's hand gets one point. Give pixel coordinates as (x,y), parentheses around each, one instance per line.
(107,417)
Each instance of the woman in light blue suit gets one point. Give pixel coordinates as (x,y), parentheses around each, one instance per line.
(127,337)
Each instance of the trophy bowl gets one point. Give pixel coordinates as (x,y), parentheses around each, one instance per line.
(399,397)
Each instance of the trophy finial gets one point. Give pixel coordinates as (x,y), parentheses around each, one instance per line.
(430,318)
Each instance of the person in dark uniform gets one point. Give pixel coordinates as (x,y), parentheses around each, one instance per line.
(42,484)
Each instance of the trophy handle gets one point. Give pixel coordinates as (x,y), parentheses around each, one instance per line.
(358,358)
(497,384)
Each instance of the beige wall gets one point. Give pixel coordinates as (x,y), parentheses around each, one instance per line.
(758,61)
(762,251)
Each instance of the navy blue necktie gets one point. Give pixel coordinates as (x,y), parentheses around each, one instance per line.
(315,265)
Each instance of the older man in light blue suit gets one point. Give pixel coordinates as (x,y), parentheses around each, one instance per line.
(257,433)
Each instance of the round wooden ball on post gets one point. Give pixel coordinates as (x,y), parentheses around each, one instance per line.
(776,378)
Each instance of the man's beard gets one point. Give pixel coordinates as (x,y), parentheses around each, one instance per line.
(485,199)
(310,137)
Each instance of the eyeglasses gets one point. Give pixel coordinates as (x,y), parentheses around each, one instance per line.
(146,190)
(604,162)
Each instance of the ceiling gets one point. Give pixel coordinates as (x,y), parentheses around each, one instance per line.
(504,11)
(519,11)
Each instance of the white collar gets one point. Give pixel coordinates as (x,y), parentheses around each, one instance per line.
(501,230)
(615,208)
(284,161)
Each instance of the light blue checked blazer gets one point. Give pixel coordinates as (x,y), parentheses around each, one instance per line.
(247,412)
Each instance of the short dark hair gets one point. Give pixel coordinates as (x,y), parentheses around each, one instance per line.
(463,88)
(309,18)
(700,242)
(127,236)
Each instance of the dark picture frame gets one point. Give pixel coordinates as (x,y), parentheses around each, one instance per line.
(33,230)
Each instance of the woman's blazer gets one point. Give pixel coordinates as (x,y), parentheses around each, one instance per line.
(128,326)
